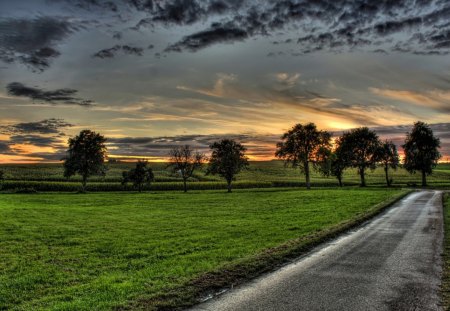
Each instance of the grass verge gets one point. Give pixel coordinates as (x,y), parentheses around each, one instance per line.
(210,284)
(161,250)
(445,289)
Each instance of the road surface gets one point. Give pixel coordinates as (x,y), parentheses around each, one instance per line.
(392,263)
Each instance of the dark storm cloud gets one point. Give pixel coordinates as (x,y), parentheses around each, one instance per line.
(411,26)
(160,146)
(33,41)
(59,96)
(45,133)
(126,49)
(218,33)
(35,140)
(349,24)
(48,126)
(4,147)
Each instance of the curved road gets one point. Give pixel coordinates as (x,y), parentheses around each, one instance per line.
(391,263)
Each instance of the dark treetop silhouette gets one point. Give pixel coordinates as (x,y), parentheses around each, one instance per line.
(227,159)
(421,150)
(86,156)
(140,175)
(359,147)
(300,145)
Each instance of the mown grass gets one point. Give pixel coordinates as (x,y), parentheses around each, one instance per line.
(49,177)
(106,250)
(445,288)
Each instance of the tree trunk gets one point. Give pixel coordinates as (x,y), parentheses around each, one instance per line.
(363,177)
(424,179)
(229,186)
(339,178)
(140,187)
(308,180)
(83,183)
(386,169)
(184,185)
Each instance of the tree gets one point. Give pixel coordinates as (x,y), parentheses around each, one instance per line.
(388,156)
(184,161)
(139,175)
(330,163)
(359,149)
(421,150)
(2,179)
(227,160)
(300,145)
(85,156)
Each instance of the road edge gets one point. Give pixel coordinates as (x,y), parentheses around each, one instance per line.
(213,283)
(445,283)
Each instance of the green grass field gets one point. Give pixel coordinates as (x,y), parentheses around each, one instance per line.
(48,177)
(104,250)
(446,257)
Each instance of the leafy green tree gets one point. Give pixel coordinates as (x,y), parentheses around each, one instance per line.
(86,156)
(359,148)
(388,156)
(300,146)
(184,161)
(140,175)
(421,150)
(227,160)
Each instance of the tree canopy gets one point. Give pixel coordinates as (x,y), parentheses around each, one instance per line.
(300,147)
(140,175)
(421,149)
(388,156)
(86,156)
(359,148)
(227,160)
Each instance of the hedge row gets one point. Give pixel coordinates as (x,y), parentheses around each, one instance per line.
(99,179)
(103,186)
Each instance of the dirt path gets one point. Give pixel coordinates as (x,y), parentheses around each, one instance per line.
(392,263)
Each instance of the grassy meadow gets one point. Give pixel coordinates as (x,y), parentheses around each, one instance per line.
(107,251)
(446,256)
(49,177)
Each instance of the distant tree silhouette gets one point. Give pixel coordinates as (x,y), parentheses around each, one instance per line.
(227,160)
(421,150)
(184,161)
(139,175)
(388,156)
(339,161)
(2,179)
(300,146)
(359,148)
(86,156)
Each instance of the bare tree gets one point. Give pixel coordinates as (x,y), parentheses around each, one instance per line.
(184,161)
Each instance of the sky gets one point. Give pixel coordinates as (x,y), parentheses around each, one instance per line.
(154,74)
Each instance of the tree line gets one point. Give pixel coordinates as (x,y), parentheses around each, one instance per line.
(303,146)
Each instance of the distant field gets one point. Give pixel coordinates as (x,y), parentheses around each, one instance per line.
(259,175)
(73,252)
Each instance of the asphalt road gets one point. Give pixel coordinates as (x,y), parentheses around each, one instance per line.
(391,263)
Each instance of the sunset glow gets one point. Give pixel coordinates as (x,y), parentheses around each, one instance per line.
(149,80)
